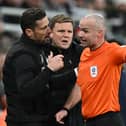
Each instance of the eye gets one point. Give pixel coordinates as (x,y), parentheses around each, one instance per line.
(61,31)
(84,30)
(70,31)
(45,27)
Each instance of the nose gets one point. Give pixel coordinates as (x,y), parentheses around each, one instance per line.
(48,30)
(65,33)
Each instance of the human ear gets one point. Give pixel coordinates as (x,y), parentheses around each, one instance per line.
(29,32)
(100,34)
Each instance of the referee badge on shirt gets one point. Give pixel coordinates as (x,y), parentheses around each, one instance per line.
(93,71)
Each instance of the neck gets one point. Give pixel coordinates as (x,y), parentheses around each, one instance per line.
(97,45)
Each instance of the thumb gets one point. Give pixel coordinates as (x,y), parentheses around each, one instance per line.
(51,55)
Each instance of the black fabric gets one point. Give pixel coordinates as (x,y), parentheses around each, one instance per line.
(27,124)
(75,117)
(34,92)
(61,84)
(122,94)
(26,83)
(107,119)
(2,92)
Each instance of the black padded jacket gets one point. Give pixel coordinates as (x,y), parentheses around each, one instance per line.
(26,77)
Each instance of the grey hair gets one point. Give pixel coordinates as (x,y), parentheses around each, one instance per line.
(99,19)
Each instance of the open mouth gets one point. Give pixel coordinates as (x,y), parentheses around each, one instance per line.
(83,41)
(64,41)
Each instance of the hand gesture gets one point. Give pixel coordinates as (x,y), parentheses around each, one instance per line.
(55,62)
(60,115)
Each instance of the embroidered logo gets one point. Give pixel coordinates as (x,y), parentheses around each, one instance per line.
(93,71)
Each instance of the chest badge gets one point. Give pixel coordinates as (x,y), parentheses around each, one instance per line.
(93,71)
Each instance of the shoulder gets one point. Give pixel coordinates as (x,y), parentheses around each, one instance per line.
(19,49)
(77,47)
(112,44)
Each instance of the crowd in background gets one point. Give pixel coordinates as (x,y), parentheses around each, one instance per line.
(114,10)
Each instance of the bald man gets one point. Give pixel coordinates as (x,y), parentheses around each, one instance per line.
(98,76)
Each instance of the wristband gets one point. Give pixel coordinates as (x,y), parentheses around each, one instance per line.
(68,111)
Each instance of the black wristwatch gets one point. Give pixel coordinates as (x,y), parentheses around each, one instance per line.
(68,111)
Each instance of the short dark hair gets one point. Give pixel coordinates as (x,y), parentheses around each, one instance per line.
(30,16)
(61,18)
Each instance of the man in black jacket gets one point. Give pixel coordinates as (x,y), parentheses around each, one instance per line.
(63,80)
(26,73)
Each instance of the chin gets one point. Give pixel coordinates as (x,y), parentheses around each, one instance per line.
(83,45)
(65,47)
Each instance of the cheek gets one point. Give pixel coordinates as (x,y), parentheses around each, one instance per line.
(39,35)
(56,37)
(71,39)
(42,34)
(91,36)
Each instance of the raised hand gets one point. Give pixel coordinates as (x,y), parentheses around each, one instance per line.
(55,62)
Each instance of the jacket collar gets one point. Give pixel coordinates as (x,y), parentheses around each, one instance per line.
(26,40)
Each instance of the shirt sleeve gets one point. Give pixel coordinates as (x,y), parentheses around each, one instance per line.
(119,54)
